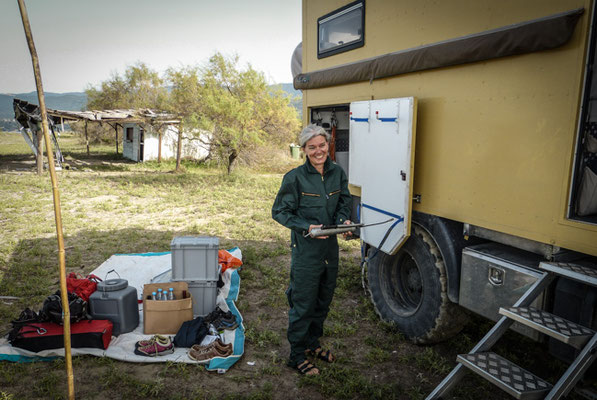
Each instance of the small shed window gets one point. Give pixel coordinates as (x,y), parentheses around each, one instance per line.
(341,30)
(129,134)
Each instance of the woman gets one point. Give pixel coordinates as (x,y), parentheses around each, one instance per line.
(314,194)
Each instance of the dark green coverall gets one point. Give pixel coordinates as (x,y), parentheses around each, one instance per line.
(308,198)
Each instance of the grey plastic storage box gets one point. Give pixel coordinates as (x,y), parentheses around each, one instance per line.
(204,296)
(195,258)
(115,300)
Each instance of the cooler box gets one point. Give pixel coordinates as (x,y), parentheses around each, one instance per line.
(195,258)
(116,301)
(204,296)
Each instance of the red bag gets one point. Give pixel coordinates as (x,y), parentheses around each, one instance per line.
(39,336)
(82,287)
(227,260)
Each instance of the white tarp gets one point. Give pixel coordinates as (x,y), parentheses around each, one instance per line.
(139,269)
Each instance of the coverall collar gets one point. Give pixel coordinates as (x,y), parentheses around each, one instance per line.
(326,166)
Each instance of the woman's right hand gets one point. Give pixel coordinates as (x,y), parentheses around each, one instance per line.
(317,226)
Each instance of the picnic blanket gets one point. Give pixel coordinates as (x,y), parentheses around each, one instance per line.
(139,269)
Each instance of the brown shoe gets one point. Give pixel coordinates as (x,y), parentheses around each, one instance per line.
(207,352)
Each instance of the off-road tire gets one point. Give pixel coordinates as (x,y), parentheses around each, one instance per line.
(409,288)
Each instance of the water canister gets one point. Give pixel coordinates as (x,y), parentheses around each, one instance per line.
(115,300)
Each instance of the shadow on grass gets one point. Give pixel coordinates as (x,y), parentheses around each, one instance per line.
(32,272)
(96,161)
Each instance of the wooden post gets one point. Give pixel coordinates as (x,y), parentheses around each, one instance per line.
(160,144)
(56,195)
(86,137)
(116,130)
(40,152)
(179,148)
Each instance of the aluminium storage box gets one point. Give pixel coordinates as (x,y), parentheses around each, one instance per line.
(195,258)
(116,301)
(493,276)
(204,296)
(166,316)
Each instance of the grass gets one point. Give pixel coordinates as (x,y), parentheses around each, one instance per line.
(110,205)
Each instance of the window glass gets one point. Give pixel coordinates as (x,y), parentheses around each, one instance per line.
(129,134)
(341,30)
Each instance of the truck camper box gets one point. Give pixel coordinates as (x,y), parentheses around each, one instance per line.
(473,126)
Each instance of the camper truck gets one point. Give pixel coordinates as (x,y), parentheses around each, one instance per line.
(470,127)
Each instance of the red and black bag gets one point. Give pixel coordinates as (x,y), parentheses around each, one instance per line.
(38,336)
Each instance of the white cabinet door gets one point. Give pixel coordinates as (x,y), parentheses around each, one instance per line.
(382,143)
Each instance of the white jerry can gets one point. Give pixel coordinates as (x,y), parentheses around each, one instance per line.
(381,157)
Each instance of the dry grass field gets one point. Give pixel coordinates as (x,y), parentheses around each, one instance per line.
(110,205)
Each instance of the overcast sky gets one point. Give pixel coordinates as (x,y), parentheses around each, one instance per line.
(82,42)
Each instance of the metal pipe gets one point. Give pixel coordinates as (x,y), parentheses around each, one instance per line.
(56,194)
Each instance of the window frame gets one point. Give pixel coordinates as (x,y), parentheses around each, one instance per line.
(126,133)
(345,47)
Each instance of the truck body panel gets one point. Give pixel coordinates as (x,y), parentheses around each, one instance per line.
(496,139)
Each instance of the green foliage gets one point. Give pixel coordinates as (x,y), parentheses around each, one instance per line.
(235,106)
(140,87)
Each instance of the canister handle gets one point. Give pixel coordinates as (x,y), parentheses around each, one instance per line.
(107,282)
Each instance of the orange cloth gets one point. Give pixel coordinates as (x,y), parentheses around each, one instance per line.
(227,260)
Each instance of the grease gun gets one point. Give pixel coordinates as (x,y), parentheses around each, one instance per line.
(327,230)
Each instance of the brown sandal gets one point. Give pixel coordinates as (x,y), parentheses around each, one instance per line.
(306,368)
(324,355)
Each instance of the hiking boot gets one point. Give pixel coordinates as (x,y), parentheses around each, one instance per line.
(216,314)
(218,344)
(150,341)
(203,353)
(225,324)
(160,346)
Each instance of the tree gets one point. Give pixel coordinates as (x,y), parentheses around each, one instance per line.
(140,87)
(234,105)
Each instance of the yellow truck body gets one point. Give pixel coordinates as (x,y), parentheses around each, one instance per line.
(496,139)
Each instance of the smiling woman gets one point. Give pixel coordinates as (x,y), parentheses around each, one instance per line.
(313,194)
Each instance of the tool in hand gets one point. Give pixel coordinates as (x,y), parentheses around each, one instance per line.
(327,230)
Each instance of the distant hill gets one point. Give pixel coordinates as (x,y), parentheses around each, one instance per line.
(74,101)
(77,101)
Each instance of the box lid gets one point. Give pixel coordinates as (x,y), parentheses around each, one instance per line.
(195,241)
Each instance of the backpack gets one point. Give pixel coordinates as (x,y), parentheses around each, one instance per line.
(28,316)
(52,308)
(191,332)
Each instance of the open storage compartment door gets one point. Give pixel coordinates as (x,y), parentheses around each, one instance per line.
(382,143)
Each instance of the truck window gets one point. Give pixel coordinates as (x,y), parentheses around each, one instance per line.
(341,30)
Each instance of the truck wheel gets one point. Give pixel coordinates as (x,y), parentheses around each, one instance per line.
(408,289)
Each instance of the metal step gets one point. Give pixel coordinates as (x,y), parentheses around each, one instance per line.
(576,272)
(508,376)
(557,327)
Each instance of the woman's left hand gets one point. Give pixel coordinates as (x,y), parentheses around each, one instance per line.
(347,234)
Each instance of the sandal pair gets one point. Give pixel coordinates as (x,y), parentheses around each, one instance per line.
(322,354)
(305,366)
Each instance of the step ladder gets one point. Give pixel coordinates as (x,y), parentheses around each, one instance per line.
(513,379)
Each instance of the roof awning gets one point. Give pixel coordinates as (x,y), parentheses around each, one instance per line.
(525,37)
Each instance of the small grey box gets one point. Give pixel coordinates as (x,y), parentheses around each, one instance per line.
(204,296)
(195,258)
(494,276)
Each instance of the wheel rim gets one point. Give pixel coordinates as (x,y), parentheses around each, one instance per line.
(403,285)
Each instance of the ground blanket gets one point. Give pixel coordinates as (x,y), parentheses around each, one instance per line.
(139,269)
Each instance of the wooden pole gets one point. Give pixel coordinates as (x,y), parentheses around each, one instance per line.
(56,195)
(40,152)
(86,137)
(179,148)
(116,130)
(160,143)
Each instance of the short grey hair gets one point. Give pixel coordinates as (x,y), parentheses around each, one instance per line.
(310,131)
